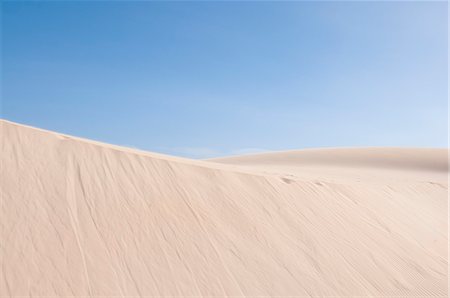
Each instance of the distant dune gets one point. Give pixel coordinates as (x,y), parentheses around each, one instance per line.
(383,165)
(83,218)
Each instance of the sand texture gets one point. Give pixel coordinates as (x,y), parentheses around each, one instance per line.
(82,218)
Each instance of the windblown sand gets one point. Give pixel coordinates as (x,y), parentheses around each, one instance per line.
(82,218)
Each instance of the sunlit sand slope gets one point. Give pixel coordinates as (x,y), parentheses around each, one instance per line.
(88,219)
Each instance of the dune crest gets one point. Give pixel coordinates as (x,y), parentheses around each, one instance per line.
(372,165)
(82,218)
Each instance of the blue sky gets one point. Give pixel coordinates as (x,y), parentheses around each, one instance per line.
(203,79)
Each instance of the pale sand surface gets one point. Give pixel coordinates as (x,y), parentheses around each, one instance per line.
(82,218)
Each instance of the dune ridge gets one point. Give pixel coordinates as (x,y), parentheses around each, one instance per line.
(84,218)
(425,159)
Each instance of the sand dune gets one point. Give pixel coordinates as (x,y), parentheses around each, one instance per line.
(383,165)
(82,218)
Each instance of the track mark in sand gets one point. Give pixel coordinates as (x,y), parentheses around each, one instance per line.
(287,180)
(72,210)
(437,184)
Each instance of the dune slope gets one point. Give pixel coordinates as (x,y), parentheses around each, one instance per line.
(88,219)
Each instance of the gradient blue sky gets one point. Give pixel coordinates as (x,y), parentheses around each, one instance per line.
(202,79)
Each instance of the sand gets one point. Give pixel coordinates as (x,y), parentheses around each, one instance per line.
(82,218)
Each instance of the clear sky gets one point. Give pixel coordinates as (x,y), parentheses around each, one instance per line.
(203,79)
